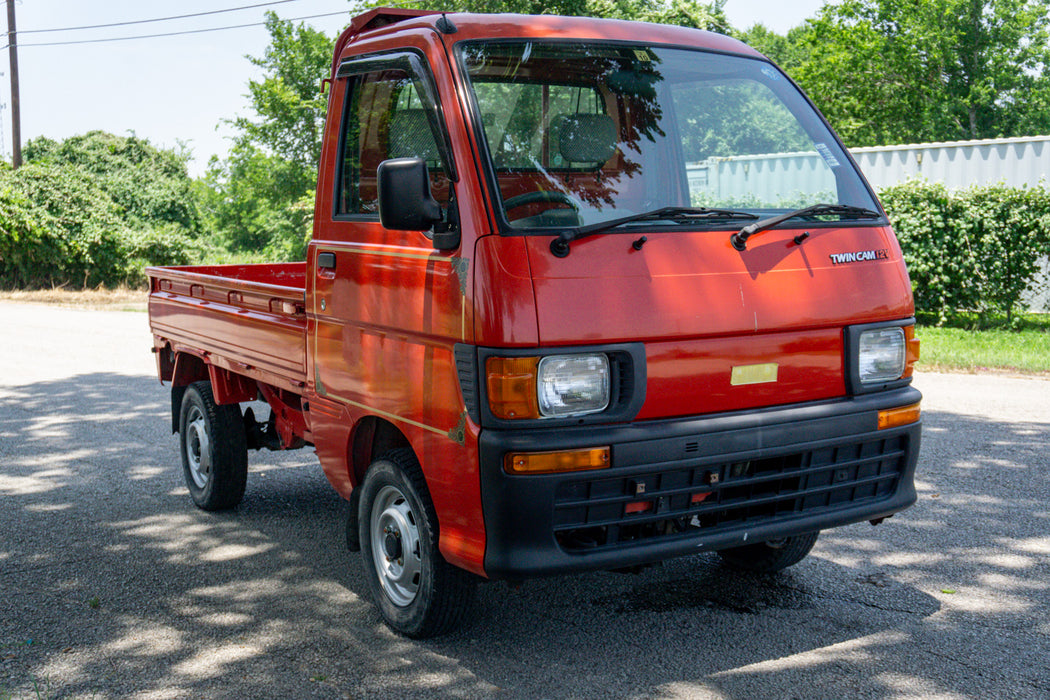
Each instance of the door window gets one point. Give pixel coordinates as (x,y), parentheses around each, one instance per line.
(386,115)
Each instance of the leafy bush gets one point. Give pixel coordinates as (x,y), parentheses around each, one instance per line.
(94,210)
(149,184)
(26,252)
(79,226)
(164,245)
(977,249)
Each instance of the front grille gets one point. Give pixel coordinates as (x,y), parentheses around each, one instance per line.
(692,498)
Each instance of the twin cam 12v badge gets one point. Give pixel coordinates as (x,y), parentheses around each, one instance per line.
(859,256)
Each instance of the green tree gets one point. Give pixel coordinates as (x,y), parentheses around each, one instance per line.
(254,200)
(893,71)
(288,101)
(683,13)
(788,51)
(254,197)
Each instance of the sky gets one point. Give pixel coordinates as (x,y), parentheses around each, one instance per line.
(178,89)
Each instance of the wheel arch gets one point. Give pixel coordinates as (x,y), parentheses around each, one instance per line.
(372,437)
(186,368)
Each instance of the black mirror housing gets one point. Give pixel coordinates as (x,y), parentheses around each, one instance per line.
(405,201)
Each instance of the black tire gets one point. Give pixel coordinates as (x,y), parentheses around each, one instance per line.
(214,449)
(767,557)
(419,594)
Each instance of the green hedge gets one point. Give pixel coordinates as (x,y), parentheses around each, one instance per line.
(975,250)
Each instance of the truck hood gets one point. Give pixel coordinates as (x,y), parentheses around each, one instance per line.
(703,308)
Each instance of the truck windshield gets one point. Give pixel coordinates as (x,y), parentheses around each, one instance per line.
(582,133)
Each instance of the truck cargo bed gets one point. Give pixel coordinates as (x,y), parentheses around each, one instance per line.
(248,318)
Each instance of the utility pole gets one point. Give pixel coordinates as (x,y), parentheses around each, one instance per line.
(16,126)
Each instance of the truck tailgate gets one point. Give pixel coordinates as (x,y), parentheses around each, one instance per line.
(247,317)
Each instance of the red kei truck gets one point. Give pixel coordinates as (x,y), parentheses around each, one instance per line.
(581,294)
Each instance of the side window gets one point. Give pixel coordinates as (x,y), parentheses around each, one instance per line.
(384,117)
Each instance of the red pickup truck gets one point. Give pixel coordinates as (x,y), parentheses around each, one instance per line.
(581,294)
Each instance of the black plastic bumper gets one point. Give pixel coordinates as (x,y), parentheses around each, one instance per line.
(679,487)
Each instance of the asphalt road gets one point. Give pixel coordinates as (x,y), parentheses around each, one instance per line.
(112,585)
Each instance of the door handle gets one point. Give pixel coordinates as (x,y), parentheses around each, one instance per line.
(326,261)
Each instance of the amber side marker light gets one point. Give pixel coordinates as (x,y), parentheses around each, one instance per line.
(554,462)
(893,417)
(912,352)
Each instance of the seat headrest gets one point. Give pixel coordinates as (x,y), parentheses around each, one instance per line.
(411,137)
(585,138)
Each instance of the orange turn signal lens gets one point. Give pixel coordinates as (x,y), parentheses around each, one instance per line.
(511,383)
(893,417)
(553,462)
(911,345)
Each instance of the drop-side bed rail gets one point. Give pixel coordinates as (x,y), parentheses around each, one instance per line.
(248,319)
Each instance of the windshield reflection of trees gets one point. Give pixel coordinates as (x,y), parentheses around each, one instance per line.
(626,83)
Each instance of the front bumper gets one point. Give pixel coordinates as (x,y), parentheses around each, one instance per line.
(683,486)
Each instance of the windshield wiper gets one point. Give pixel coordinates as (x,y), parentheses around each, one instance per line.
(682,215)
(739,239)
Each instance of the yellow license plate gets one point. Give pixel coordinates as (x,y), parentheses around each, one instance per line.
(754,374)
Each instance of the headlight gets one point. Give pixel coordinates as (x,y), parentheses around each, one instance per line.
(557,386)
(573,385)
(881,355)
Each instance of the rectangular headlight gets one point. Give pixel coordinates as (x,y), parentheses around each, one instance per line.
(881,355)
(573,385)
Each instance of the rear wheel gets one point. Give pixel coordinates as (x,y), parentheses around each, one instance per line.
(774,555)
(418,593)
(214,449)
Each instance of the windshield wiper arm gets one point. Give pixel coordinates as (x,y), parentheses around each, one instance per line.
(560,245)
(739,239)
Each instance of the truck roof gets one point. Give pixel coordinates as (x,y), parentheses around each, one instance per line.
(385,20)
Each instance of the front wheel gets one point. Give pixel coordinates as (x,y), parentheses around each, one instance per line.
(418,593)
(214,449)
(774,555)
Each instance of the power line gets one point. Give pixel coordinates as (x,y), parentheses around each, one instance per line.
(188,31)
(158,19)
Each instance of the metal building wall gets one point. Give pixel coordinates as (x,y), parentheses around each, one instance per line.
(958,164)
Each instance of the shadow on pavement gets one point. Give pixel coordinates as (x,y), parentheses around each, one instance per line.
(116,586)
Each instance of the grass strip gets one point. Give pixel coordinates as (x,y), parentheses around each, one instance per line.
(960,349)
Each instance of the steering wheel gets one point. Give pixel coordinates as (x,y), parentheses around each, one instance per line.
(552,196)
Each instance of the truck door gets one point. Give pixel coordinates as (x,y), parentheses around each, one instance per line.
(387,308)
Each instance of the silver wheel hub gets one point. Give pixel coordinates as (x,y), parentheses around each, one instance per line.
(396,550)
(198,447)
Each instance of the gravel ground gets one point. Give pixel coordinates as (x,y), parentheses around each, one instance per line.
(115,586)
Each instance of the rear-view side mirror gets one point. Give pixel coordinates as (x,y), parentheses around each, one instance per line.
(405,201)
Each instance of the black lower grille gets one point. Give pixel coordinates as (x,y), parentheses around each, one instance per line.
(688,498)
